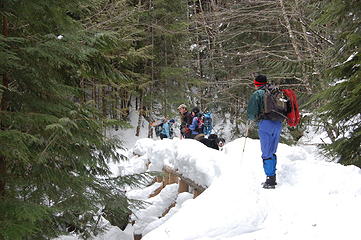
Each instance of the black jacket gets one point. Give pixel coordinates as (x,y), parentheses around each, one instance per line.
(186,119)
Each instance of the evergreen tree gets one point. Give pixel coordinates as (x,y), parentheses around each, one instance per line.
(166,76)
(54,175)
(340,100)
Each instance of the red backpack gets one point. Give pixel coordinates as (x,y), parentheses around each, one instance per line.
(293,115)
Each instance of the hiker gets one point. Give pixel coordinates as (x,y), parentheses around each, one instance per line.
(269,131)
(167,130)
(186,120)
(207,123)
(196,122)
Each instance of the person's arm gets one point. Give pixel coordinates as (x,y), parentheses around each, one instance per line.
(255,105)
(194,124)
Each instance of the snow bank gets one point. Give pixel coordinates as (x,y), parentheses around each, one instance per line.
(313,199)
(188,157)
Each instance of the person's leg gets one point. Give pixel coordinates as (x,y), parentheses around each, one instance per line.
(274,163)
(267,146)
(276,134)
(266,138)
(269,132)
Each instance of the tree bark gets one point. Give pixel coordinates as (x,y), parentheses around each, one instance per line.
(304,31)
(295,46)
(290,32)
(104,101)
(3,107)
(140,109)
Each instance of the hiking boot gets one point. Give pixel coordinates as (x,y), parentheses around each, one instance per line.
(270,182)
(268,186)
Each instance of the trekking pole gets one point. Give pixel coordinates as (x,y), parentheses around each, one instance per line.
(244,144)
(246,135)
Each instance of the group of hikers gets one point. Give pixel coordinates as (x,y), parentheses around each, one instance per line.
(191,122)
(194,125)
(268,106)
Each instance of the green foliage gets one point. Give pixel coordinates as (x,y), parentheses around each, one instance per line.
(66,64)
(341,99)
(53,154)
(25,216)
(167,77)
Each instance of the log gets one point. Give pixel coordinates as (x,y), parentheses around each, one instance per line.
(186,180)
(168,209)
(172,179)
(196,193)
(182,186)
(157,191)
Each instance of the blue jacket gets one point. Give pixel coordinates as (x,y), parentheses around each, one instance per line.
(166,129)
(194,126)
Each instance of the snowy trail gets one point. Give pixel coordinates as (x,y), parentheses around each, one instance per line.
(313,200)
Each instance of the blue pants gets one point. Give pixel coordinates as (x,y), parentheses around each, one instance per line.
(269,134)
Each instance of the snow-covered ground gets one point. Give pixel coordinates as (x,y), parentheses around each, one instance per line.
(314,199)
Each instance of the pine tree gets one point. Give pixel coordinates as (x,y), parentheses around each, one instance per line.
(54,175)
(165,77)
(341,98)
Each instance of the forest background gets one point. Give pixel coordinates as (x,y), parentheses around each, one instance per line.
(70,70)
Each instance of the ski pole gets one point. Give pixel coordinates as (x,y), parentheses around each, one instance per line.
(244,143)
(246,135)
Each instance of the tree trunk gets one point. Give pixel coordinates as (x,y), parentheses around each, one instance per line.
(2,174)
(295,46)
(94,94)
(104,101)
(5,32)
(150,131)
(301,14)
(140,109)
(332,132)
(290,32)
(82,98)
(116,103)
(3,107)
(165,99)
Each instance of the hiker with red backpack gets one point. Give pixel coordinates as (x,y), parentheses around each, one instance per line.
(269,106)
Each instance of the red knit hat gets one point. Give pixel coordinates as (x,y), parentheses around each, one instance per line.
(260,80)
